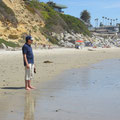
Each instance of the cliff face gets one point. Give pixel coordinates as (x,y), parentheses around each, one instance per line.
(16,21)
(19,18)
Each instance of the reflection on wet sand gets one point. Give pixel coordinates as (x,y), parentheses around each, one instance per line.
(29,106)
(85,75)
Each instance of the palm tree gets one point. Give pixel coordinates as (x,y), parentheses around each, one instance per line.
(103,20)
(108,21)
(96,22)
(111,22)
(116,20)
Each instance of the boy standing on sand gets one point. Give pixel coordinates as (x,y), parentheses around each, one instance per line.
(28,58)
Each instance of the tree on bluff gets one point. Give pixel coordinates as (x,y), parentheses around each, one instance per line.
(85,16)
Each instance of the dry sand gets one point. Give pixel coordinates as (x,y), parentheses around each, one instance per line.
(12,69)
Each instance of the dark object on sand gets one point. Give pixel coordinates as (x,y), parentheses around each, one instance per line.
(34,70)
(89,49)
(47,61)
(57,110)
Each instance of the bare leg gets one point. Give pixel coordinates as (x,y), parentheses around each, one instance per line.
(26,85)
(29,85)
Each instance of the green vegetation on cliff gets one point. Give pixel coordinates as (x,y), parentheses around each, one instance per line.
(75,24)
(8,43)
(56,22)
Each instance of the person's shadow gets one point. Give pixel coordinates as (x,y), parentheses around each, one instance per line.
(12,88)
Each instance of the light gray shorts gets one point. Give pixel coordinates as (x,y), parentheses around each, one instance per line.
(29,73)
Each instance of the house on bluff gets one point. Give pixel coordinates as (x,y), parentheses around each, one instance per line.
(57,7)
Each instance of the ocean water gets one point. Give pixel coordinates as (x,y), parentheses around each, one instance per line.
(89,93)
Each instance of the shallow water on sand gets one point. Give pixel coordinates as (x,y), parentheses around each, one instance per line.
(89,93)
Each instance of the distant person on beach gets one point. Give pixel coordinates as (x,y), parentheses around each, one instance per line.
(28,58)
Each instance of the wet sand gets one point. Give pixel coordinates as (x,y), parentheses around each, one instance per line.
(75,94)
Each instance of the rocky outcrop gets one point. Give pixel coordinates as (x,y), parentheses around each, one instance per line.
(68,40)
(3,46)
(105,42)
(7,48)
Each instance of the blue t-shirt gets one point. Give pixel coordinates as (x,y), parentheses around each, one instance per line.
(27,49)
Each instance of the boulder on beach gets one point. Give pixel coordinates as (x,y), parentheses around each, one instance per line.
(3,46)
(91,49)
(47,61)
(10,49)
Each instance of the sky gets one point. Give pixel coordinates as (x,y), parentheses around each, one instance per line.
(96,8)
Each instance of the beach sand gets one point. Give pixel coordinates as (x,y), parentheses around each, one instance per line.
(12,70)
